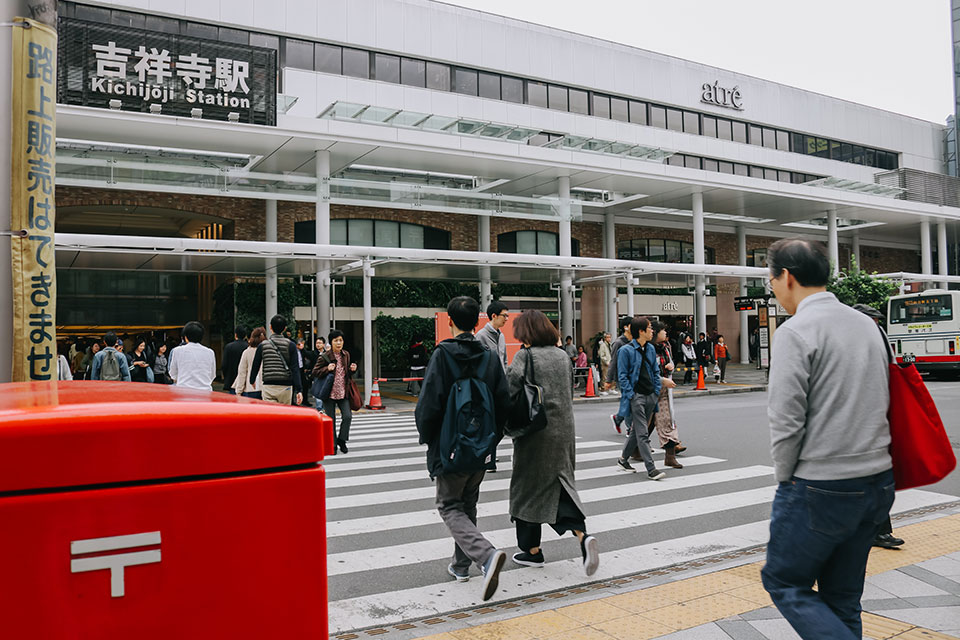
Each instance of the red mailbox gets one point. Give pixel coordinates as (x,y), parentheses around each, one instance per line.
(146,511)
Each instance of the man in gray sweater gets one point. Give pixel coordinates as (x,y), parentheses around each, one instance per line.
(829,440)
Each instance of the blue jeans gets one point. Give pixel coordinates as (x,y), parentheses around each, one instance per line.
(821,531)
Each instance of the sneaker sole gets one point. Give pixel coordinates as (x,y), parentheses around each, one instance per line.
(658,476)
(592,561)
(527,563)
(492,579)
(456,577)
(626,470)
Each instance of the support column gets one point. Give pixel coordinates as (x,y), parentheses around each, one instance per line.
(483,244)
(926,254)
(744,318)
(943,265)
(271,285)
(631,311)
(700,301)
(610,286)
(566,277)
(833,242)
(855,249)
(368,273)
(322,215)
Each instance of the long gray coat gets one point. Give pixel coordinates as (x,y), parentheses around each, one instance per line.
(544,461)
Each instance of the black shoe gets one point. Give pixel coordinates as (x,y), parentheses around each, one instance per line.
(529,559)
(590,551)
(656,474)
(616,422)
(342,444)
(625,465)
(887,541)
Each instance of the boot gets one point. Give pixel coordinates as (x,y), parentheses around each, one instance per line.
(670,459)
(679,448)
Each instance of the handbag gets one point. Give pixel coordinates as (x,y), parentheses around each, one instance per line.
(919,445)
(354,394)
(322,387)
(527,413)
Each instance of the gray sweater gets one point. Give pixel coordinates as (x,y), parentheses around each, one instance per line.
(494,340)
(824,425)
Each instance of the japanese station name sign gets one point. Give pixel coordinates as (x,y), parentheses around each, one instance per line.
(33,155)
(148,71)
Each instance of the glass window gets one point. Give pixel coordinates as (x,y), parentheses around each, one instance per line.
(95,14)
(687,253)
(338,232)
(846,152)
(921,309)
(237,36)
(783,176)
(822,149)
(674,120)
(797,178)
(741,169)
(710,165)
(127,19)
(857,154)
(157,23)
(770,174)
(769,138)
(756,135)
(834,149)
(386,68)
(199,30)
(658,117)
(632,250)
(527,242)
(887,160)
(536,94)
(539,140)
(298,54)
(797,142)
(360,233)
(557,98)
(356,63)
(547,243)
(783,141)
(739,132)
(673,250)
(710,126)
(511,89)
(601,105)
(726,167)
(870,157)
(619,109)
(387,233)
(656,251)
(465,81)
(691,123)
(264,40)
(691,162)
(724,129)
(756,172)
(413,73)
(438,76)
(489,86)
(435,238)
(638,112)
(579,101)
(677,160)
(411,236)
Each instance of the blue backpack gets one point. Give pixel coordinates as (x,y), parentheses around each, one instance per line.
(468,435)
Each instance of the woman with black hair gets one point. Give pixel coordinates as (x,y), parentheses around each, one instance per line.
(138,361)
(332,376)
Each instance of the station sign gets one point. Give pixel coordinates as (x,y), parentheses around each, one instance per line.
(114,67)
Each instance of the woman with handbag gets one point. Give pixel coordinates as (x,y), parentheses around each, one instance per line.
(333,386)
(241,385)
(720,355)
(663,420)
(542,488)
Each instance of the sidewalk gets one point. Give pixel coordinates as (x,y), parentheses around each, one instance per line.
(910,594)
(741,378)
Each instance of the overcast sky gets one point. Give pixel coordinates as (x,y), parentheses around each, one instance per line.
(891,54)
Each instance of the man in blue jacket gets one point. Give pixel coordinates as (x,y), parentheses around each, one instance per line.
(639,378)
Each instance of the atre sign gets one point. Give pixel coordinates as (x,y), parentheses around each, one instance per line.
(721,96)
(138,70)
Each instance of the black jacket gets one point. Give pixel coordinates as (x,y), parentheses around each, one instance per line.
(438,379)
(231,361)
(704,352)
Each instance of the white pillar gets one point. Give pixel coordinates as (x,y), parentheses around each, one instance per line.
(855,249)
(943,265)
(833,242)
(322,216)
(271,286)
(698,258)
(483,244)
(744,318)
(631,311)
(926,254)
(610,286)
(566,277)
(368,273)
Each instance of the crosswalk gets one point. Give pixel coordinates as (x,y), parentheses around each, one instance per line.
(388,549)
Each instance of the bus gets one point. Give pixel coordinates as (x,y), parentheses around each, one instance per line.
(924,329)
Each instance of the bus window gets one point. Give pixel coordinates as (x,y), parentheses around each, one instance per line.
(921,309)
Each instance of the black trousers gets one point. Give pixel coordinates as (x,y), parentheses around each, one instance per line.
(569,518)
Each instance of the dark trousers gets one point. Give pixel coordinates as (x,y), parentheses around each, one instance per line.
(569,518)
(346,417)
(723,369)
(688,374)
(821,531)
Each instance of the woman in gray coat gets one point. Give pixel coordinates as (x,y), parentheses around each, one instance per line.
(542,489)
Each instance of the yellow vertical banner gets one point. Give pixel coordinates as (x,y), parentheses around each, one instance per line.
(33,160)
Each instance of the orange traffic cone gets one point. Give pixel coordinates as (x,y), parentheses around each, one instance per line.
(375,403)
(591,392)
(701,385)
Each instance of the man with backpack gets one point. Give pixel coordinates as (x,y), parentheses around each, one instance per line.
(460,416)
(639,375)
(110,364)
(281,371)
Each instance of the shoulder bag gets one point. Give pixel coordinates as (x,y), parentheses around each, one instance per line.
(919,445)
(527,413)
(322,387)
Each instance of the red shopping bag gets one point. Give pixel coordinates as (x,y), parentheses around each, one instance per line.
(919,445)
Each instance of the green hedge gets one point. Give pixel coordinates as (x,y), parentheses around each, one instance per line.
(394,337)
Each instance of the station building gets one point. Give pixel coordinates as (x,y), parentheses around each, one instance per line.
(204,145)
